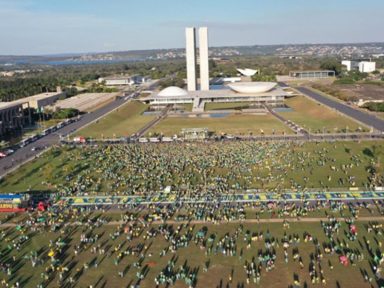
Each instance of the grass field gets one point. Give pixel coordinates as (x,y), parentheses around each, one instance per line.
(185,107)
(194,256)
(318,118)
(122,122)
(223,106)
(114,169)
(231,124)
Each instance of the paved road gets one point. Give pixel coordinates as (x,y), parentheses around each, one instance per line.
(23,154)
(363,117)
(155,121)
(296,128)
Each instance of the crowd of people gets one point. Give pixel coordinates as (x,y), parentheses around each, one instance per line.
(158,245)
(194,168)
(153,252)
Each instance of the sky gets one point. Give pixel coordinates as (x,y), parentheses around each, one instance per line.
(41,27)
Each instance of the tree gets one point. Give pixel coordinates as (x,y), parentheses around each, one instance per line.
(332,64)
(176,81)
(65,113)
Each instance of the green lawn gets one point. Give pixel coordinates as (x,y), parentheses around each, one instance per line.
(223,106)
(123,122)
(318,118)
(194,256)
(231,124)
(185,107)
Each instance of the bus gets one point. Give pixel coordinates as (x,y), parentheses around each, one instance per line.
(60,125)
(25,142)
(14,202)
(46,131)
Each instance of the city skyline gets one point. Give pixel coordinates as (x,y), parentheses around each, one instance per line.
(55,27)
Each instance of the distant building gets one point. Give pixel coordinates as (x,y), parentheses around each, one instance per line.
(316,74)
(44,99)
(362,66)
(190,34)
(12,116)
(123,80)
(259,93)
(247,72)
(117,81)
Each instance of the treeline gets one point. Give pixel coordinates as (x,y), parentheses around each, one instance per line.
(17,88)
(65,113)
(20,86)
(175,81)
(351,77)
(376,107)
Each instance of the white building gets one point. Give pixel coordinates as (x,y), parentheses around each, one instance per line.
(255,92)
(123,80)
(13,116)
(117,81)
(190,37)
(367,67)
(204,62)
(362,66)
(247,72)
(190,34)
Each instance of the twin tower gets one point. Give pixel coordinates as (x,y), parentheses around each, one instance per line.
(190,34)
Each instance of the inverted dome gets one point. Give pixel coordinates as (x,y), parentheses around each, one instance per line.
(252,87)
(247,72)
(172,91)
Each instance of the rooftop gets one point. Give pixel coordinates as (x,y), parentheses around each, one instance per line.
(220,93)
(27,99)
(4,105)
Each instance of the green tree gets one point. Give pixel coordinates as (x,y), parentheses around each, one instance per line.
(332,64)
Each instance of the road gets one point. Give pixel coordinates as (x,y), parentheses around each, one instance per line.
(365,118)
(24,154)
(162,115)
(21,155)
(290,124)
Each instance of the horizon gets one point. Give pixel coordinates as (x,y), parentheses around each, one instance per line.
(181,48)
(56,27)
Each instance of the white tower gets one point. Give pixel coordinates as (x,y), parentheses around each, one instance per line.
(204,63)
(191,58)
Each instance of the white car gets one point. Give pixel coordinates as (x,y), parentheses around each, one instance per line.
(9,151)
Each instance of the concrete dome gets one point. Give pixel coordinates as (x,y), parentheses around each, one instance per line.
(252,87)
(172,91)
(247,72)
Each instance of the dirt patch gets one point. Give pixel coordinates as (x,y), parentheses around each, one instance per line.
(363,91)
